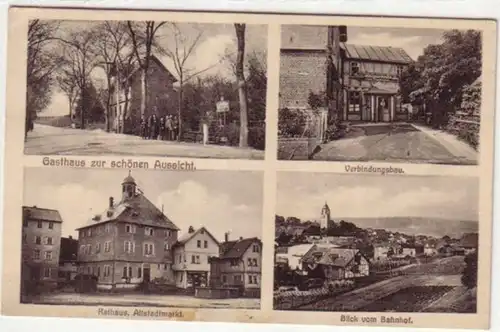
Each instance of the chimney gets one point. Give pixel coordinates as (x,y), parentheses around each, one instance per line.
(241,238)
(111,201)
(191,229)
(226,237)
(70,237)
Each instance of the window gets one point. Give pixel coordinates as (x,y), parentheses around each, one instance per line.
(256,248)
(107,270)
(166,247)
(128,247)
(39,225)
(198,244)
(354,101)
(130,228)
(46,272)
(82,249)
(97,248)
(193,259)
(354,68)
(399,70)
(82,234)
(139,272)
(224,278)
(107,246)
(168,233)
(89,249)
(36,254)
(252,262)
(237,278)
(202,231)
(148,249)
(51,225)
(125,270)
(250,279)
(48,241)
(148,231)
(25,223)
(205,244)
(38,240)
(48,255)
(89,232)
(25,238)
(235,262)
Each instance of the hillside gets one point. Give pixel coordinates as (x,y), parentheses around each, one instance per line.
(417,225)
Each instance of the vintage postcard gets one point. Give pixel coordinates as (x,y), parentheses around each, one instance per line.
(237,167)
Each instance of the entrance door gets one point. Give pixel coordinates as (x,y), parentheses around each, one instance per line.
(367,109)
(383,111)
(146,274)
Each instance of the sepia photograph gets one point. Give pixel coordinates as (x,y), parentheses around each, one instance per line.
(356,93)
(368,243)
(142,238)
(146,88)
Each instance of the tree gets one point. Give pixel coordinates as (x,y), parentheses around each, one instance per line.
(179,54)
(70,88)
(41,65)
(240,76)
(469,275)
(78,62)
(115,52)
(143,36)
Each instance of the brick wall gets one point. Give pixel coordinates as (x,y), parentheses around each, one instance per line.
(301,73)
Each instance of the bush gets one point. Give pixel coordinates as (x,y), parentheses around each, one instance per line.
(292,123)
(469,276)
(257,137)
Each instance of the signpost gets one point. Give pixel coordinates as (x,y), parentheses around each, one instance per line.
(222,106)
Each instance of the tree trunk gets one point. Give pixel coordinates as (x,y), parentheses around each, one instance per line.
(108,107)
(179,110)
(240,76)
(83,107)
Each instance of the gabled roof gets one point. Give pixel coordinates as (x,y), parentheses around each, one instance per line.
(161,65)
(33,212)
(377,53)
(330,256)
(136,210)
(188,236)
(236,249)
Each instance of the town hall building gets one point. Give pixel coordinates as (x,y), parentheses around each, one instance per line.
(129,243)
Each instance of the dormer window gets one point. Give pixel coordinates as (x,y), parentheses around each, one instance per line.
(255,248)
(130,228)
(148,231)
(399,70)
(354,68)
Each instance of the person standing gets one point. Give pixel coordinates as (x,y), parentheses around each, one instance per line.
(168,127)
(143,127)
(175,128)
(161,132)
(154,127)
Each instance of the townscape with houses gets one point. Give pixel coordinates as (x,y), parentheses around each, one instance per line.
(341,100)
(134,248)
(320,263)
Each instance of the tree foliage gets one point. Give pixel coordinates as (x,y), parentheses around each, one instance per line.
(469,276)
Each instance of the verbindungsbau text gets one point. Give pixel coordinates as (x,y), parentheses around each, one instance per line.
(178,165)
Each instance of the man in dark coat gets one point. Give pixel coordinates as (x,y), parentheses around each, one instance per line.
(143,127)
(161,132)
(154,127)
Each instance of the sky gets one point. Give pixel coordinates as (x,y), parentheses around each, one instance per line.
(413,41)
(217,41)
(213,199)
(302,195)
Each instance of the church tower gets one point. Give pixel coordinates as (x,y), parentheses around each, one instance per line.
(128,187)
(325,216)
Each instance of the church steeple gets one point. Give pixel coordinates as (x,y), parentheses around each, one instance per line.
(325,215)
(128,187)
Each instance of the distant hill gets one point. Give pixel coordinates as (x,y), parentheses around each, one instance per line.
(417,225)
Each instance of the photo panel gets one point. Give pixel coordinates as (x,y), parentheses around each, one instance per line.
(370,244)
(146,88)
(380,94)
(141,239)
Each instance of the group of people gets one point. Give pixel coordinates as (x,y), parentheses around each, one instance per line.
(163,128)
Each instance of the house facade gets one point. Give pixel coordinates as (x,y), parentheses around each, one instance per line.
(192,255)
(41,241)
(335,263)
(239,265)
(68,258)
(127,98)
(371,80)
(311,63)
(129,243)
